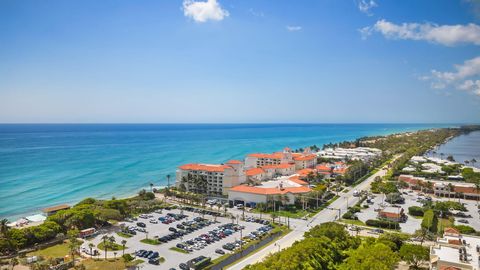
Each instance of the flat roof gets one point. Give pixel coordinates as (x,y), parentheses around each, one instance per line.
(56,208)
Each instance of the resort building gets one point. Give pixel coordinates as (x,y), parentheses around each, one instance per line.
(289,188)
(300,160)
(213,179)
(396,214)
(442,188)
(358,153)
(455,252)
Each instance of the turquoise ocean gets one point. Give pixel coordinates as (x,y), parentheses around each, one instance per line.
(48,164)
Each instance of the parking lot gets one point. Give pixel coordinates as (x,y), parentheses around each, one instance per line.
(413,223)
(198,234)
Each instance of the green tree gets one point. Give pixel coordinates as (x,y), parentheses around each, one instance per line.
(378,256)
(415,255)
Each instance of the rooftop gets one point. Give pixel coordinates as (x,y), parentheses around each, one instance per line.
(204,167)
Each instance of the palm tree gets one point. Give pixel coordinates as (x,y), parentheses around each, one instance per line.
(91,245)
(4,227)
(473,161)
(168,181)
(73,245)
(105,238)
(451,188)
(151,187)
(124,242)
(114,255)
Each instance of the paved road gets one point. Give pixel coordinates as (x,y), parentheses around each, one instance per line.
(301,226)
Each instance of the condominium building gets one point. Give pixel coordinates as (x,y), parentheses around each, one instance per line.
(455,252)
(358,153)
(300,160)
(214,179)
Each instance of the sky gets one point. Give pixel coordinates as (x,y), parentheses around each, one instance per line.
(239,61)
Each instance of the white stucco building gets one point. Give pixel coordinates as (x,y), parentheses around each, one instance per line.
(218,177)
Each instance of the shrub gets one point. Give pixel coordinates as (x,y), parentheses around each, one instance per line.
(127,258)
(415,211)
(464,229)
(386,224)
(349,215)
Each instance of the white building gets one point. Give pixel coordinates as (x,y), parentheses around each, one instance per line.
(217,177)
(455,252)
(285,188)
(300,160)
(358,153)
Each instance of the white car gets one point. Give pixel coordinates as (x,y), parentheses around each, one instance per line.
(154,221)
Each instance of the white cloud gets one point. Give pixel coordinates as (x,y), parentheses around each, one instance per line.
(256,13)
(365,6)
(448,35)
(465,77)
(293,28)
(203,11)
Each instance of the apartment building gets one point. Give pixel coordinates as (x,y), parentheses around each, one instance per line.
(300,160)
(213,179)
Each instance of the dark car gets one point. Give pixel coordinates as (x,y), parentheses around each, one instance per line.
(155,261)
(172,229)
(141,224)
(183,266)
(219,251)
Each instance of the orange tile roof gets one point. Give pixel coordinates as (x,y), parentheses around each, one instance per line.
(460,189)
(254,171)
(234,161)
(451,230)
(340,170)
(204,167)
(449,268)
(270,191)
(390,214)
(278,166)
(306,171)
(323,167)
(455,242)
(296,179)
(305,157)
(270,156)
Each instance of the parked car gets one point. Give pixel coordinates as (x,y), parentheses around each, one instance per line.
(141,224)
(219,251)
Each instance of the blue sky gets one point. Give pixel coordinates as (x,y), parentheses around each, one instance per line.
(240,61)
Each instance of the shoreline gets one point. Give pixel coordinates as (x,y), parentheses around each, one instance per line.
(133,193)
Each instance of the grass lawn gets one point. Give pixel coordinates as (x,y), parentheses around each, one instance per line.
(178,250)
(108,264)
(124,235)
(57,251)
(443,223)
(150,241)
(110,246)
(353,222)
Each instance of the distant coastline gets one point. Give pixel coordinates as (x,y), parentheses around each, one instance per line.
(52,164)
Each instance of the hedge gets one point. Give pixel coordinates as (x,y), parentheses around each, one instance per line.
(386,224)
(416,211)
